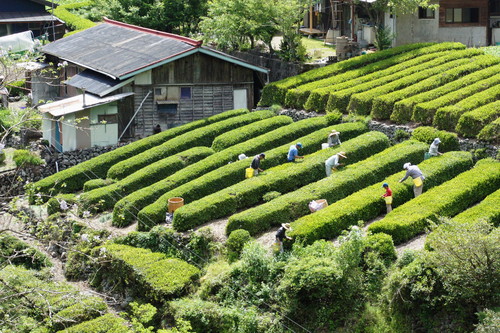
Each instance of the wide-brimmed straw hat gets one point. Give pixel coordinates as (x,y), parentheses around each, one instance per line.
(335,132)
(342,153)
(287,226)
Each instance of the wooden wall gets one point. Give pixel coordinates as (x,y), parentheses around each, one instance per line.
(483,6)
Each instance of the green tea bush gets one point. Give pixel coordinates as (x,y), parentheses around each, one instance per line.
(383,245)
(490,132)
(235,242)
(103,324)
(270,196)
(56,204)
(72,179)
(74,21)
(286,177)
(274,93)
(25,158)
(13,251)
(367,204)
(487,210)
(472,122)
(88,309)
(96,183)
(448,199)
(427,134)
(404,109)
(17,88)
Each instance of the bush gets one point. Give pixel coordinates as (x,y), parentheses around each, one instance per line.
(404,109)
(16,88)
(248,132)
(60,203)
(88,309)
(472,122)
(354,177)
(448,199)
(103,324)
(490,132)
(383,245)
(274,93)
(487,210)
(446,118)
(96,183)
(286,177)
(367,204)
(383,105)
(270,196)
(73,21)
(13,251)
(147,274)
(72,179)
(232,174)
(235,242)
(25,158)
(126,209)
(449,141)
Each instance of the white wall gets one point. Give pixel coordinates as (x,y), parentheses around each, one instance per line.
(103,134)
(68,132)
(47,127)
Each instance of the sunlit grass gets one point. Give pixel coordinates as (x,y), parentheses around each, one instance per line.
(317,49)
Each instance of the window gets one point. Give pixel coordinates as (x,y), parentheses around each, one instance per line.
(425,13)
(495,6)
(107,118)
(166,108)
(462,15)
(185,92)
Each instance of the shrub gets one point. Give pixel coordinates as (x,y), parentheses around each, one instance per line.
(403,109)
(13,251)
(25,158)
(232,174)
(366,204)
(472,122)
(104,198)
(250,131)
(424,112)
(72,179)
(490,132)
(446,118)
(88,309)
(293,205)
(383,105)
(487,210)
(448,199)
(103,324)
(361,103)
(274,93)
(74,21)
(198,137)
(96,183)
(16,88)
(126,210)
(148,274)
(60,203)
(270,196)
(235,242)
(286,177)
(426,134)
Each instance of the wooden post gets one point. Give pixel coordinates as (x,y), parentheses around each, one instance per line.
(311,18)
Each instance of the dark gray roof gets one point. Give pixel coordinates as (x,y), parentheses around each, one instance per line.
(95,83)
(15,17)
(117,49)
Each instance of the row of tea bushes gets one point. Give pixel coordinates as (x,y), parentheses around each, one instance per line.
(404,109)
(127,208)
(274,93)
(104,198)
(284,178)
(472,122)
(297,97)
(367,203)
(229,175)
(490,132)
(248,132)
(198,137)
(72,179)
(14,251)
(293,205)
(108,323)
(427,134)
(383,105)
(448,199)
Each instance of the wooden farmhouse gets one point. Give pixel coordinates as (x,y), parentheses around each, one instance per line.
(155,78)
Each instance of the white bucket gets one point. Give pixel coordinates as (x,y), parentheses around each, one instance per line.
(324,145)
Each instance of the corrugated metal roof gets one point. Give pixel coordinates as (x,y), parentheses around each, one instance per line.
(116,49)
(95,83)
(17,17)
(75,104)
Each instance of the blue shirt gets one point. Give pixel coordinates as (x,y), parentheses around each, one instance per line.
(292,153)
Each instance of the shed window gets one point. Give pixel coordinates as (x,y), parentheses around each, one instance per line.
(462,15)
(167,108)
(185,92)
(107,118)
(425,13)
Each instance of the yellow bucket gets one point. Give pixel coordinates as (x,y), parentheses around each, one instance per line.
(174,203)
(388,200)
(249,173)
(418,181)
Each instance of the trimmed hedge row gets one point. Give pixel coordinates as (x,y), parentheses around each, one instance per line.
(14,251)
(315,93)
(224,177)
(72,179)
(403,110)
(274,93)
(74,21)
(127,208)
(447,118)
(104,198)
(284,178)
(424,112)
(150,275)
(427,134)
(472,122)
(367,203)
(291,206)
(383,105)
(198,137)
(248,132)
(448,199)
(96,183)
(340,100)
(361,103)
(487,210)
(108,323)
(490,132)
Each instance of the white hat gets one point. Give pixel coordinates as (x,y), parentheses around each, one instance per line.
(406,165)
(342,154)
(287,226)
(436,141)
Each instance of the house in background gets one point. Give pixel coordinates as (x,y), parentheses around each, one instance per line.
(156,78)
(23,15)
